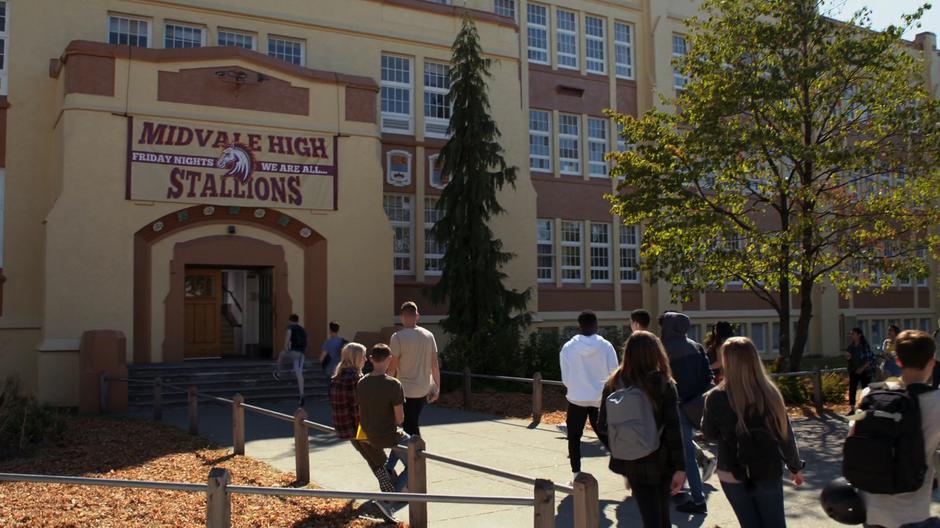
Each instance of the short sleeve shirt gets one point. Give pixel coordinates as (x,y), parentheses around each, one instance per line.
(377,397)
(415,348)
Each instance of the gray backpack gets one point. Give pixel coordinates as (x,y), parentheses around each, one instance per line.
(631,425)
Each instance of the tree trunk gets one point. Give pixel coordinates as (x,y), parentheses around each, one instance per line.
(802,325)
(784,291)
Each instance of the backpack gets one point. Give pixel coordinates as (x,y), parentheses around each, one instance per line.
(631,424)
(885,451)
(298,338)
(756,447)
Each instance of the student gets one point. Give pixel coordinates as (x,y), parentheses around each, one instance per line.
(655,476)
(915,353)
(890,368)
(295,348)
(381,400)
(330,351)
(713,341)
(935,378)
(343,403)
(587,360)
(746,415)
(690,369)
(639,320)
(859,357)
(415,363)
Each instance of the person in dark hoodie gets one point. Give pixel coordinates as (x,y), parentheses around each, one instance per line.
(692,373)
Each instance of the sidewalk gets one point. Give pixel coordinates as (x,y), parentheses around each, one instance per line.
(514,446)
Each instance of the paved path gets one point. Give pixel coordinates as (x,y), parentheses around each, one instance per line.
(515,446)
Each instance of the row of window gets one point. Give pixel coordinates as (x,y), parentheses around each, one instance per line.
(573,246)
(569,128)
(4,46)
(396,95)
(567,41)
(134,31)
(400,212)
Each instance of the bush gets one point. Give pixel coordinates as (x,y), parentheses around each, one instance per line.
(540,354)
(834,388)
(794,390)
(24,424)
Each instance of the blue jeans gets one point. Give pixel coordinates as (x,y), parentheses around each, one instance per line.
(691,468)
(393,459)
(758,505)
(891,367)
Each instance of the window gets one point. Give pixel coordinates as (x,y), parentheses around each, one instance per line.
(398,210)
(597,147)
(128,31)
(436,177)
(922,254)
(537,33)
(398,168)
(695,332)
(433,250)
(396,94)
(629,254)
(545,250)
(237,39)
(623,48)
(569,149)
(924,323)
(180,36)
(877,333)
(775,336)
(540,142)
(436,100)
(600,252)
(759,336)
(679,51)
(594,44)
(909,324)
(622,145)
(4,51)
(506,8)
(291,51)
(566,27)
(571,252)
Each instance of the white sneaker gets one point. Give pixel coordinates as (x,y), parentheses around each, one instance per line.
(708,469)
(386,509)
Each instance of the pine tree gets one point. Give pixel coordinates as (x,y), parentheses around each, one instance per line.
(481,311)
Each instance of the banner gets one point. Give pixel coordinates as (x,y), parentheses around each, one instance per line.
(190,162)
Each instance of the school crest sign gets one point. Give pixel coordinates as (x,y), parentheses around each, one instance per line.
(193,162)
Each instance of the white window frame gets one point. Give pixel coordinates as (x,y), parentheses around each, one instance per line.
(436,127)
(623,49)
(4,61)
(629,251)
(537,54)
(300,43)
(600,244)
(537,136)
(408,227)
(406,87)
(148,24)
(759,328)
(678,79)
(545,226)
(569,165)
(431,217)
(388,168)
(598,63)
(166,33)
(597,143)
(567,59)
(506,8)
(571,272)
(252,38)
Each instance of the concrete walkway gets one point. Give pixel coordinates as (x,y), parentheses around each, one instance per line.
(516,446)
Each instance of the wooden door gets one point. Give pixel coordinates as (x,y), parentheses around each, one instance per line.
(202,310)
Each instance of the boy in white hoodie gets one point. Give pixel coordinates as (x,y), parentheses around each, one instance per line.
(587,360)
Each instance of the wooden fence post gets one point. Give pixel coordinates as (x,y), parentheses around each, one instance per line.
(218,499)
(544,504)
(301,448)
(817,389)
(417,482)
(586,505)
(157,400)
(466,388)
(193,411)
(537,397)
(238,425)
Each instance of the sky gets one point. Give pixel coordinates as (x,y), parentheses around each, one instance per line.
(887,12)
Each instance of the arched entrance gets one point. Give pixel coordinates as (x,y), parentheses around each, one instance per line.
(228,251)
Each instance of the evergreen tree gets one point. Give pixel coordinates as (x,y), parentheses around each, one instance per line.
(481,311)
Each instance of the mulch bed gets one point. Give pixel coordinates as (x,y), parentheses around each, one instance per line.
(138,450)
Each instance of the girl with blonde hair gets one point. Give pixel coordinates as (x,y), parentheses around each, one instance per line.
(746,415)
(345,408)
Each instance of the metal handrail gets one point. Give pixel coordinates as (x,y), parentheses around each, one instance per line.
(557,383)
(490,470)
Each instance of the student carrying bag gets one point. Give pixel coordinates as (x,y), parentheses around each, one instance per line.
(631,424)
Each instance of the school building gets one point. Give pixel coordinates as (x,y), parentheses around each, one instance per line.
(190,173)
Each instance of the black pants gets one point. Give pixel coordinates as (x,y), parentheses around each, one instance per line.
(412,409)
(854,380)
(577,416)
(653,502)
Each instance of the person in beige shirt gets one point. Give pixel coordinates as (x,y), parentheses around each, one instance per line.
(415,364)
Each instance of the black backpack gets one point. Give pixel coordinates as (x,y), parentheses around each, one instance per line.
(885,451)
(298,338)
(758,453)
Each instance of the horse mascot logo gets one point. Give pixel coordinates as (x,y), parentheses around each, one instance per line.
(238,160)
